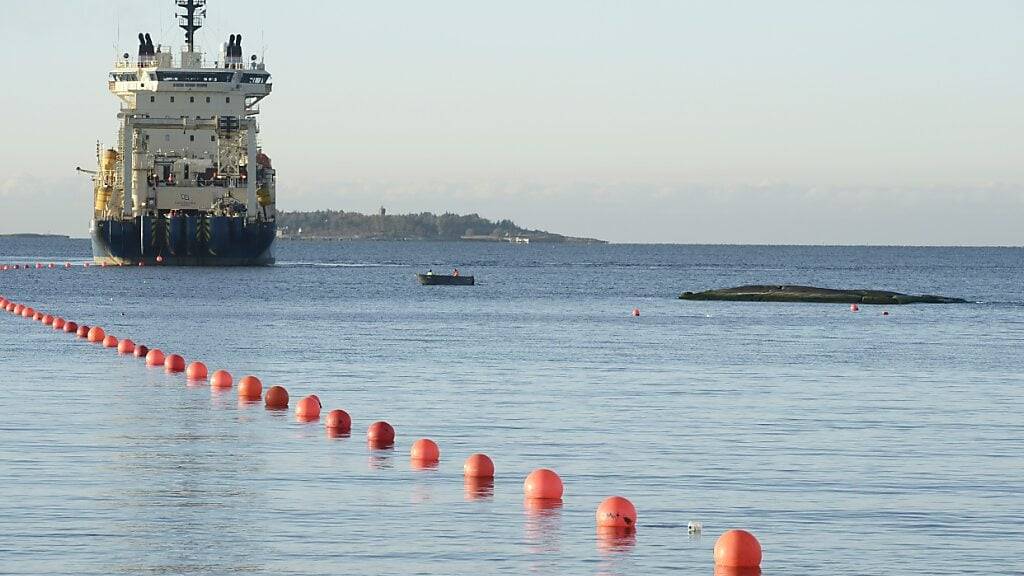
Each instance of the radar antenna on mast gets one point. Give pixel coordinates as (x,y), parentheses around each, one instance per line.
(192,19)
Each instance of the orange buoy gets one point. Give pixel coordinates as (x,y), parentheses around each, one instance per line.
(174,363)
(616,512)
(47,320)
(27,312)
(67,265)
(83,331)
(159,259)
(251,388)
(276,397)
(110,341)
(62,324)
(380,434)
(636,311)
(338,420)
(478,466)
(18,309)
(425,450)
(737,549)
(196,371)
(854,308)
(103,264)
(125,346)
(140,351)
(155,357)
(96,334)
(37,315)
(308,408)
(543,484)
(223,379)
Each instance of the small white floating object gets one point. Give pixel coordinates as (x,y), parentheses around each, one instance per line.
(694,527)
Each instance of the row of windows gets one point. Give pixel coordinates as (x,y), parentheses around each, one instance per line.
(191,138)
(192,99)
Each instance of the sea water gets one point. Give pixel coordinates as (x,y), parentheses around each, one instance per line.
(849,443)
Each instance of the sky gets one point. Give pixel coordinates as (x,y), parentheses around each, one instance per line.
(783,122)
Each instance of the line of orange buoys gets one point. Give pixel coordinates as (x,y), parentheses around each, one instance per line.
(736,552)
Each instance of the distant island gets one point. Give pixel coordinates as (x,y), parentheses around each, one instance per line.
(32,235)
(341,225)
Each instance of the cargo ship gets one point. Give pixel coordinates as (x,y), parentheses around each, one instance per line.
(187,183)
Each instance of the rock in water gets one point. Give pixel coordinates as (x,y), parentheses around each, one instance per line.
(776,293)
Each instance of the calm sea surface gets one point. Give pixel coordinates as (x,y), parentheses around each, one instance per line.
(848,443)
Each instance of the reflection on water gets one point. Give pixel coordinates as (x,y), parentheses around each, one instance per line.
(381,458)
(615,540)
(734,571)
(478,488)
(335,433)
(543,524)
(417,464)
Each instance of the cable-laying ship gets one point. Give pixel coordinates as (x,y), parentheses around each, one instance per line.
(187,183)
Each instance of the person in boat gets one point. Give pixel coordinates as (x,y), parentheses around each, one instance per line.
(430,272)
(455,272)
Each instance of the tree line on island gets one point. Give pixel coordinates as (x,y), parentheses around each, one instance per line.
(341,225)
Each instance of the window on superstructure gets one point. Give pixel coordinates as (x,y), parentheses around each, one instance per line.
(228,99)
(207,99)
(213,138)
(192,99)
(172,98)
(152,98)
(191,137)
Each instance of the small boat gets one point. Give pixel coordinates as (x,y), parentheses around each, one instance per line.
(444,280)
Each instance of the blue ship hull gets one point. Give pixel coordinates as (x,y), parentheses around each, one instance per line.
(192,240)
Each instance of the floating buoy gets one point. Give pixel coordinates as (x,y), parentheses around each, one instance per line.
(885,313)
(140,351)
(125,346)
(18,309)
(478,466)
(338,420)
(37,316)
(85,265)
(103,264)
(250,387)
(67,265)
(61,324)
(110,341)
(616,512)
(83,331)
(174,363)
(27,312)
(159,259)
(380,434)
(141,263)
(155,357)
(737,549)
(47,320)
(636,311)
(96,334)
(223,379)
(854,308)
(276,398)
(543,484)
(308,409)
(425,450)
(196,371)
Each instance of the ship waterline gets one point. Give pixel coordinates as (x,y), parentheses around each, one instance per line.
(185,240)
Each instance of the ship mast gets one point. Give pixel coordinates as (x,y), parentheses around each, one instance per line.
(191,20)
